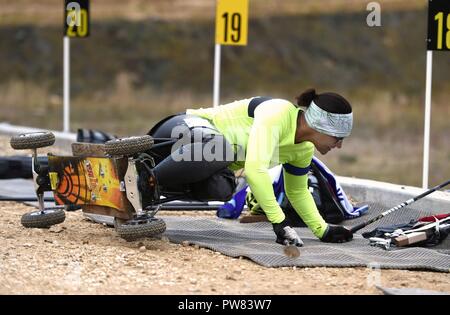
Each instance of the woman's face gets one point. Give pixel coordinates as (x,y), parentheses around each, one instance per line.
(324,143)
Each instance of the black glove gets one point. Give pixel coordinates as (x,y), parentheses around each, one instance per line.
(337,234)
(286,235)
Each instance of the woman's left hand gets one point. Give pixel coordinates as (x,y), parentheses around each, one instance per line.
(337,234)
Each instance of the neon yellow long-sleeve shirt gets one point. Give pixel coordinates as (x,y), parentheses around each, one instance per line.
(268,139)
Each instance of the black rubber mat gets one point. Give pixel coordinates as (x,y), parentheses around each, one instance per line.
(256,241)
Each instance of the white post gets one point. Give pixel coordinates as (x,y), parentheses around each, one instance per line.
(216,75)
(426,136)
(66,70)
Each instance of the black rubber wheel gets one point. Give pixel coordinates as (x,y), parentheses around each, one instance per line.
(44,219)
(32,140)
(128,146)
(134,229)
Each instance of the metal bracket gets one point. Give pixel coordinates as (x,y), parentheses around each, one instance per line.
(131,186)
(152,213)
(37,186)
(380,242)
(34,162)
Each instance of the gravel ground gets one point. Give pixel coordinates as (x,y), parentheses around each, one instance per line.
(82,257)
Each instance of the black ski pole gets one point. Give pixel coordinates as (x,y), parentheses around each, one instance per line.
(403,204)
(25,199)
(187,206)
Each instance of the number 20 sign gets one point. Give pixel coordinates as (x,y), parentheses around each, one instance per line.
(76,18)
(438,25)
(232,22)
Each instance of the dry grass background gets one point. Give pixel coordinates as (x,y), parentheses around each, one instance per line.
(49,12)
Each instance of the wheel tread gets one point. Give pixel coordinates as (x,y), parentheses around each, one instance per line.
(149,229)
(45,220)
(128,146)
(32,140)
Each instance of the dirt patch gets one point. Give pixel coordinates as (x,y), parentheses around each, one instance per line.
(81,257)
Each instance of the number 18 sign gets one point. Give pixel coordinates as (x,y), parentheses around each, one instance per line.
(232,22)
(438,25)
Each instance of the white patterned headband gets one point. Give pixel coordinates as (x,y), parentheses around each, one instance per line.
(336,125)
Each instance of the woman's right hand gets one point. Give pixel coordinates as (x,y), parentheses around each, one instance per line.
(286,235)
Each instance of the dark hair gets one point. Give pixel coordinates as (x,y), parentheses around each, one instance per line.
(330,102)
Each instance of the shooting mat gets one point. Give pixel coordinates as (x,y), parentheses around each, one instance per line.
(256,241)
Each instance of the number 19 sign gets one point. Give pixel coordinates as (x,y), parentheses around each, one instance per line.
(438,25)
(232,22)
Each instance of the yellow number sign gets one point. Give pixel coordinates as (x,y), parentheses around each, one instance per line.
(438,25)
(76,22)
(232,22)
(78,31)
(441,34)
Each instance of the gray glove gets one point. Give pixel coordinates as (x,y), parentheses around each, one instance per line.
(286,235)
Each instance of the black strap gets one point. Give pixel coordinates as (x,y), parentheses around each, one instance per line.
(254,103)
(332,210)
